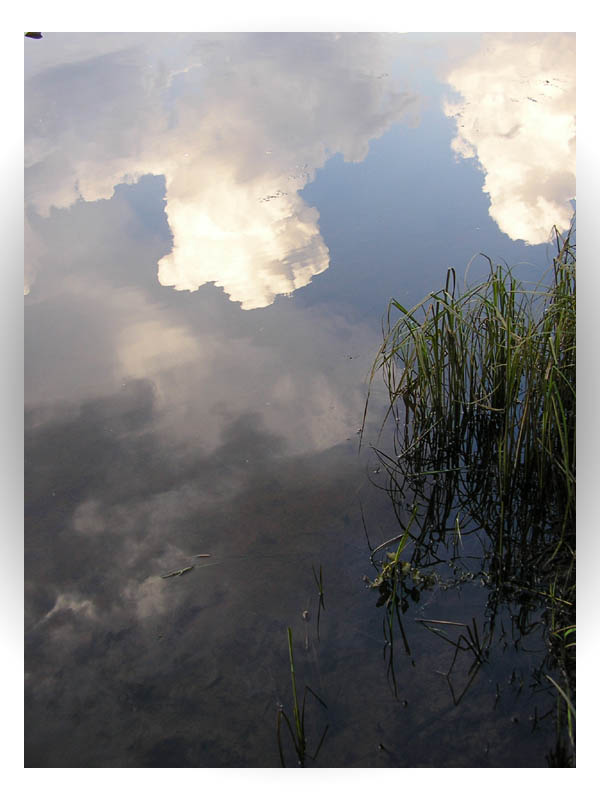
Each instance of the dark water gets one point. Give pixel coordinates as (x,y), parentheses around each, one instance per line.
(287,186)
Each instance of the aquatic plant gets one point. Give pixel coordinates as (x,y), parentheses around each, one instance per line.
(485,380)
(298,730)
(481,396)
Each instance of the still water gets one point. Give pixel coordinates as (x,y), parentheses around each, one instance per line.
(215,224)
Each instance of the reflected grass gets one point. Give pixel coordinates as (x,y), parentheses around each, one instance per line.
(481,389)
(321,607)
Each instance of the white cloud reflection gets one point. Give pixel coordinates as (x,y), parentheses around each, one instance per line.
(255,247)
(237,124)
(517,117)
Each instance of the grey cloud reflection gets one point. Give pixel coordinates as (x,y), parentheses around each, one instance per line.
(237,124)
(516,115)
(34,253)
(203,371)
(99,619)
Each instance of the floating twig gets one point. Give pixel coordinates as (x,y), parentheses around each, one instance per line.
(178,572)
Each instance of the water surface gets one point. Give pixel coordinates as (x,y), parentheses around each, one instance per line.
(214,227)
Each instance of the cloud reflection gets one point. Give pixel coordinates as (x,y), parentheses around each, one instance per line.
(238,125)
(517,117)
(105,634)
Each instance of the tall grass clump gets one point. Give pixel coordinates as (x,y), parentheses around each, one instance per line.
(483,383)
(481,386)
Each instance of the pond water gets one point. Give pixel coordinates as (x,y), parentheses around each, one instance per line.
(214,227)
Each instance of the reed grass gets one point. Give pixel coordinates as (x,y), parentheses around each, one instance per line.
(481,385)
(485,379)
(297,731)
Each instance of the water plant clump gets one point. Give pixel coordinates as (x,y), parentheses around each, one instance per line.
(481,390)
(484,384)
(297,730)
